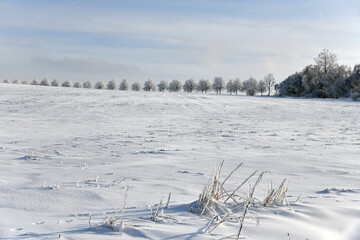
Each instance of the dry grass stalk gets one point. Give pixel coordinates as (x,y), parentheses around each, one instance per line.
(248,204)
(277,197)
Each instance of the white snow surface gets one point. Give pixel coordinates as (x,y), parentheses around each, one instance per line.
(68,153)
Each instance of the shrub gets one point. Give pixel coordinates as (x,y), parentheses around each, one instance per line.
(87,84)
(355,94)
(25,82)
(16,81)
(112,85)
(45,82)
(124,85)
(66,84)
(99,85)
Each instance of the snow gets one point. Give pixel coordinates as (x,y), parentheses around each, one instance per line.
(67,153)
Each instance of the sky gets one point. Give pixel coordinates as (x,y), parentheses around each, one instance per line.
(80,40)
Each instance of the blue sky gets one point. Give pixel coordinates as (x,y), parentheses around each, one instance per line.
(112,39)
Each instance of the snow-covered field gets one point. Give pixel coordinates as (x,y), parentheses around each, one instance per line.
(67,153)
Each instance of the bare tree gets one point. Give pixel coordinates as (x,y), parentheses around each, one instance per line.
(149,85)
(175,86)
(124,85)
(203,85)
(269,82)
(136,86)
(163,85)
(218,85)
(326,61)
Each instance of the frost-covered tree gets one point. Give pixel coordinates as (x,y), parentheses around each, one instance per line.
(77,85)
(6,80)
(45,82)
(16,81)
(251,86)
(67,83)
(325,61)
(112,85)
(163,85)
(35,82)
(1,81)
(262,87)
(203,86)
(55,83)
(230,86)
(189,85)
(269,82)
(175,86)
(237,85)
(136,86)
(124,85)
(87,84)
(218,85)
(99,85)
(25,82)
(149,85)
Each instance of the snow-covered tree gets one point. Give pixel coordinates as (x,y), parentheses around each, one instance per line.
(262,87)
(230,86)
(35,82)
(136,86)
(149,85)
(16,81)
(124,85)
(325,61)
(163,85)
(218,85)
(67,83)
(99,85)
(77,85)
(175,86)
(55,83)
(251,86)
(189,85)
(269,82)
(203,86)
(25,82)
(112,85)
(45,82)
(87,84)
(237,86)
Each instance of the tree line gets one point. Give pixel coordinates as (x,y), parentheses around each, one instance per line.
(250,86)
(323,79)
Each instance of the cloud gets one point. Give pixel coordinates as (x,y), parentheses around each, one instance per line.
(90,65)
